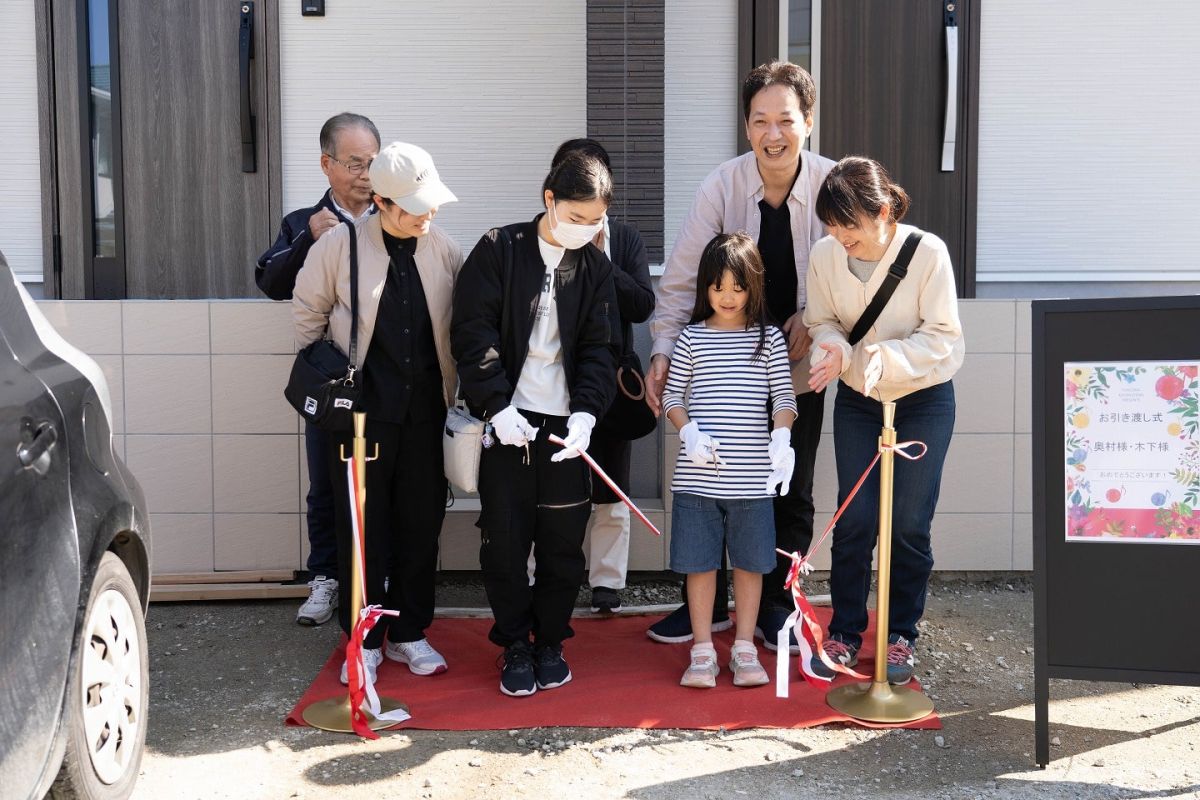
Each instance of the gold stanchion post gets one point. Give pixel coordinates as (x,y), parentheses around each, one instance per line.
(334,714)
(879,701)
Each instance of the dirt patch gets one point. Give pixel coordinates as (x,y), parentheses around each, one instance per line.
(225,674)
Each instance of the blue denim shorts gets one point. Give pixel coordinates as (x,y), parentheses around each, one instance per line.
(702,527)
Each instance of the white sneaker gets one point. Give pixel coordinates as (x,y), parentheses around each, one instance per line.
(321,603)
(420,656)
(372,658)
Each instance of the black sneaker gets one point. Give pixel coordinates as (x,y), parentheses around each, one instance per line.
(770,620)
(605,600)
(550,666)
(676,627)
(516,677)
(839,652)
(900,663)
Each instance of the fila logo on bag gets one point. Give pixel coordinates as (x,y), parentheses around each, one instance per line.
(310,405)
(342,402)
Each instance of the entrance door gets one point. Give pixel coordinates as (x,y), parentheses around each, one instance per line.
(166,126)
(885,93)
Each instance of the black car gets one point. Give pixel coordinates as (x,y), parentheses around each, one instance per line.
(75,546)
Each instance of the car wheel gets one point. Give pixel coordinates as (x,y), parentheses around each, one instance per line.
(105,714)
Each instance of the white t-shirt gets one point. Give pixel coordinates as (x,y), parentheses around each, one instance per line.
(542,386)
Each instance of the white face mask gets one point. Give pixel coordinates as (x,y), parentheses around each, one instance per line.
(572,235)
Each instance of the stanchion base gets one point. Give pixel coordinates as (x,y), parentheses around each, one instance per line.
(880,702)
(334,714)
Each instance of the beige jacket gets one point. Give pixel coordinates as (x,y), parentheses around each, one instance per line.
(727,202)
(918,331)
(321,299)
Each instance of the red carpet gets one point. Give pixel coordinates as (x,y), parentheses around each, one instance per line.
(622,679)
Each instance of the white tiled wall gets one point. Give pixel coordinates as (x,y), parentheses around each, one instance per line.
(197,391)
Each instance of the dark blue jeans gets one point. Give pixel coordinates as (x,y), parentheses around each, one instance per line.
(926,415)
(322,541)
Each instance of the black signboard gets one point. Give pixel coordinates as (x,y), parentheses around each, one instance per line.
(1114,600)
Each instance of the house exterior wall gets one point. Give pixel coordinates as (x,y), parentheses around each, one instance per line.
(20,164)
(463,80)
(197,389)
(1087,149)
(700,80)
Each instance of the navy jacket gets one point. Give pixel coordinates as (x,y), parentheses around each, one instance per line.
(631,279)
(277,268)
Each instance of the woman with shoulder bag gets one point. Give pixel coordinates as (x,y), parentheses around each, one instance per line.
(908,355)
(406,273)
(532,336)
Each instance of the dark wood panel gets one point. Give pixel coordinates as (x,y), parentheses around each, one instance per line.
(194,222)
(883,84)
(63,179)
(625,44)
(47,149)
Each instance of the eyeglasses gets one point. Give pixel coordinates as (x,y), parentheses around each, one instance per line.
(354,167)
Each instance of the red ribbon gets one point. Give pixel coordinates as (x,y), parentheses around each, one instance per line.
(591,462)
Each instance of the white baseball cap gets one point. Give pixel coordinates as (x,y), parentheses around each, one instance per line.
(404,174)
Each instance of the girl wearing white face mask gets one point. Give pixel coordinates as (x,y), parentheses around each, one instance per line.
(533,329)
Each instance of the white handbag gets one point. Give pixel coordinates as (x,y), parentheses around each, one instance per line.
(462,446)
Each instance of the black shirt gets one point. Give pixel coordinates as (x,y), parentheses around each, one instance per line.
(402,380)
(779,258)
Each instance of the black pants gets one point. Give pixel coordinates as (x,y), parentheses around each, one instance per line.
(322,540)
(793,511)
(406,503)
(526,499)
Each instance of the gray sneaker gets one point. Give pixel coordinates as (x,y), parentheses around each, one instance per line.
(420,656)
(321,603)
(839,653)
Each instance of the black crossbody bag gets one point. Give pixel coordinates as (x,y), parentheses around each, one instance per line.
(323,386)
(896,273)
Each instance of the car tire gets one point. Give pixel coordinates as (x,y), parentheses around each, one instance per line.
(104,716)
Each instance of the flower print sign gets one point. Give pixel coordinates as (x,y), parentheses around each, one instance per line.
(1132,452)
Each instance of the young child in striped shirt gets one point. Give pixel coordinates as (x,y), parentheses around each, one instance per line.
(728,366)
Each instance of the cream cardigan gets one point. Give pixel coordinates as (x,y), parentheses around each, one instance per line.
(321,299)
(919,332)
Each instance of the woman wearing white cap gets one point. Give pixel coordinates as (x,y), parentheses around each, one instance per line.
(533,336)
(406,273)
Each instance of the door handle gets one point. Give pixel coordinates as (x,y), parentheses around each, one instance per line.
(35,454)
(245,54)
(950,129)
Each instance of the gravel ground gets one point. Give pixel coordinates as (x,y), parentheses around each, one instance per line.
(225,674)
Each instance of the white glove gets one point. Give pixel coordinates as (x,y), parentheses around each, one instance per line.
(781,444)
(783,461)
(512,428)
(699,446)
(873,371)
(579,436)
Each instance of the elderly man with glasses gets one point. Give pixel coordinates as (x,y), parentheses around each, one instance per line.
(349,143)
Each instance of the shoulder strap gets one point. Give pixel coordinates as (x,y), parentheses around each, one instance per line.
(896,273)
(353,299)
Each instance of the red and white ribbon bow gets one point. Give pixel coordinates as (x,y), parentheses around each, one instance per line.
(809,636)
(362,691)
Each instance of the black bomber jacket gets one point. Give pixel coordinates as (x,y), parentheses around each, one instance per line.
(495,300)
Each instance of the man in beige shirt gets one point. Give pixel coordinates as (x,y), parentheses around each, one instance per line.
(769,193)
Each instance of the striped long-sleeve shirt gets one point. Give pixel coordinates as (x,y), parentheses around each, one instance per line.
(726,391)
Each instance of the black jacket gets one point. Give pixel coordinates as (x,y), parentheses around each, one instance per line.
(277,268)
(631,280)
(495,300)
